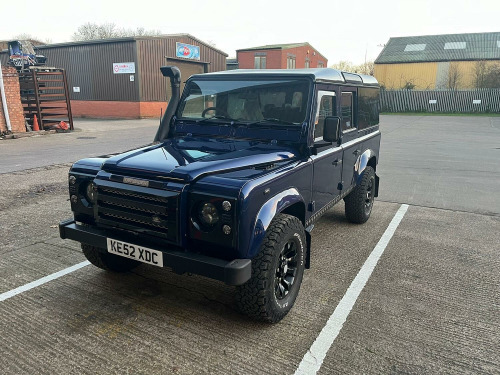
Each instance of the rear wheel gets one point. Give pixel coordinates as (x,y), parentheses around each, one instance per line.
(107,261)
(277,272)
(359,202)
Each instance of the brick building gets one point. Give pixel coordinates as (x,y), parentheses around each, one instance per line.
(281,56)
(13,98)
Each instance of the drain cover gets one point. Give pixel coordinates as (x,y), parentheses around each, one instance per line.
(86,138)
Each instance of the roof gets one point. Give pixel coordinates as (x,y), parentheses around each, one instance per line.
(327,75)
(276,46)
(449,47)
(130,39)
(280,46)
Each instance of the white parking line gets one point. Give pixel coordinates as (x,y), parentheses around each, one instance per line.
(43,280)
(313,359)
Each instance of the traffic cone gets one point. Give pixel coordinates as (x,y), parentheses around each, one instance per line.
(35,124)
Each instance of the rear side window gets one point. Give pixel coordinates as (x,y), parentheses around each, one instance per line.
(346,109)
(368,104)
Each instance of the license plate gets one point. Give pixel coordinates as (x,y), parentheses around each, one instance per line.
(139,253)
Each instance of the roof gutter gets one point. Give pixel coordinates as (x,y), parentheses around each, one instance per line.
(4,101)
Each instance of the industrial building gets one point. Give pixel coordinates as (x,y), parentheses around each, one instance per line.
(121,77)
(452,61)
(281,56)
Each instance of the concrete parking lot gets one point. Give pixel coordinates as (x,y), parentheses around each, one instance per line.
(431,305)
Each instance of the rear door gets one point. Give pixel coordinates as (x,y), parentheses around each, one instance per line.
(351,147)
(328,161)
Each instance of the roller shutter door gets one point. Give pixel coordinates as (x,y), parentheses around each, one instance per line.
(187,70)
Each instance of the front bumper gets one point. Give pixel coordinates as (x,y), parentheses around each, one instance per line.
(235,272)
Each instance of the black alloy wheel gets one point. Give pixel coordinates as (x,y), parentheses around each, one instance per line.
(359,202)
(277,271)
(287,269)
(370,194)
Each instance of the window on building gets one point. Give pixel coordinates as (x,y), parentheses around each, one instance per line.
(498,43)
(346,109)
(260,62)
(368,102)
(321,64)
(290,62)
(414,47)
(306,65)
(326,107)
(455,45)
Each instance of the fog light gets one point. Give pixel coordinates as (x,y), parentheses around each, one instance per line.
(74,199)
(226,205)
(72,180)
(226,229)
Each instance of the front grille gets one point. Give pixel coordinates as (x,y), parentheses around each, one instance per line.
(152,213)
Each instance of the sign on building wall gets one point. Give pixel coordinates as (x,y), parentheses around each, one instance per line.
(187,51)
(125,67)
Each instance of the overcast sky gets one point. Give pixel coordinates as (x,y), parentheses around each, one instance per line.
(340,30)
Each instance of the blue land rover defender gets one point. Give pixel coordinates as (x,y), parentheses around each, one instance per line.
(243,163)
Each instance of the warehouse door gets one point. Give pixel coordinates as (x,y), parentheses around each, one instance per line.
(187,70)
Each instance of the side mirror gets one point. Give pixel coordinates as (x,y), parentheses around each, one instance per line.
(331,131)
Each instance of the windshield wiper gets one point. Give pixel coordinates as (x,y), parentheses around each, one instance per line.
(217,117)
(272,120)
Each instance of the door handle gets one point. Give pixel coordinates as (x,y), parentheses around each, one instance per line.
(337,162)
(357,152)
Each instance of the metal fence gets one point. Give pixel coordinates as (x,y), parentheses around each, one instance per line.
(449,101)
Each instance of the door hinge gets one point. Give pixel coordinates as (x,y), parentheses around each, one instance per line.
(340,186)
(312,205)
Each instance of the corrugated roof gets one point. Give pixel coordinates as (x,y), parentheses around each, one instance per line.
(448,47)
(129,39)
(276,46)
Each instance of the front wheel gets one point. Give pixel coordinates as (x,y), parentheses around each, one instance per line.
(276,272)
(359,202)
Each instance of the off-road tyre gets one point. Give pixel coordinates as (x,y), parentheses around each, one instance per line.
(359,202)
(262,297)
(106,261)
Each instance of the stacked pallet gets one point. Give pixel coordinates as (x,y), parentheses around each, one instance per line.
(44,93)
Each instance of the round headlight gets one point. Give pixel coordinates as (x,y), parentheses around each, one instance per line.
(208,214)
(91,192)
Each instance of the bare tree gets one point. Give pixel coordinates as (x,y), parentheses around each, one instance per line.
(343,65)
(92,31)
(454,76)
(493,76)
(26,36)
(366,68)
(480,74)
(347,66)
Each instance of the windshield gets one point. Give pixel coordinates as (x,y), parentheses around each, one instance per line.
(256,102)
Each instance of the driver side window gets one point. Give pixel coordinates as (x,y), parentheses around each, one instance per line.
(326,107)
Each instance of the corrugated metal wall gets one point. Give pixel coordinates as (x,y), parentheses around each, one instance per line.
(151,56)
(90,67)
(427,76)
(448,101)
(395,76)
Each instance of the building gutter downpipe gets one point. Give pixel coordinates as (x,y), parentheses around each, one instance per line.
(175,82)
(4,102)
